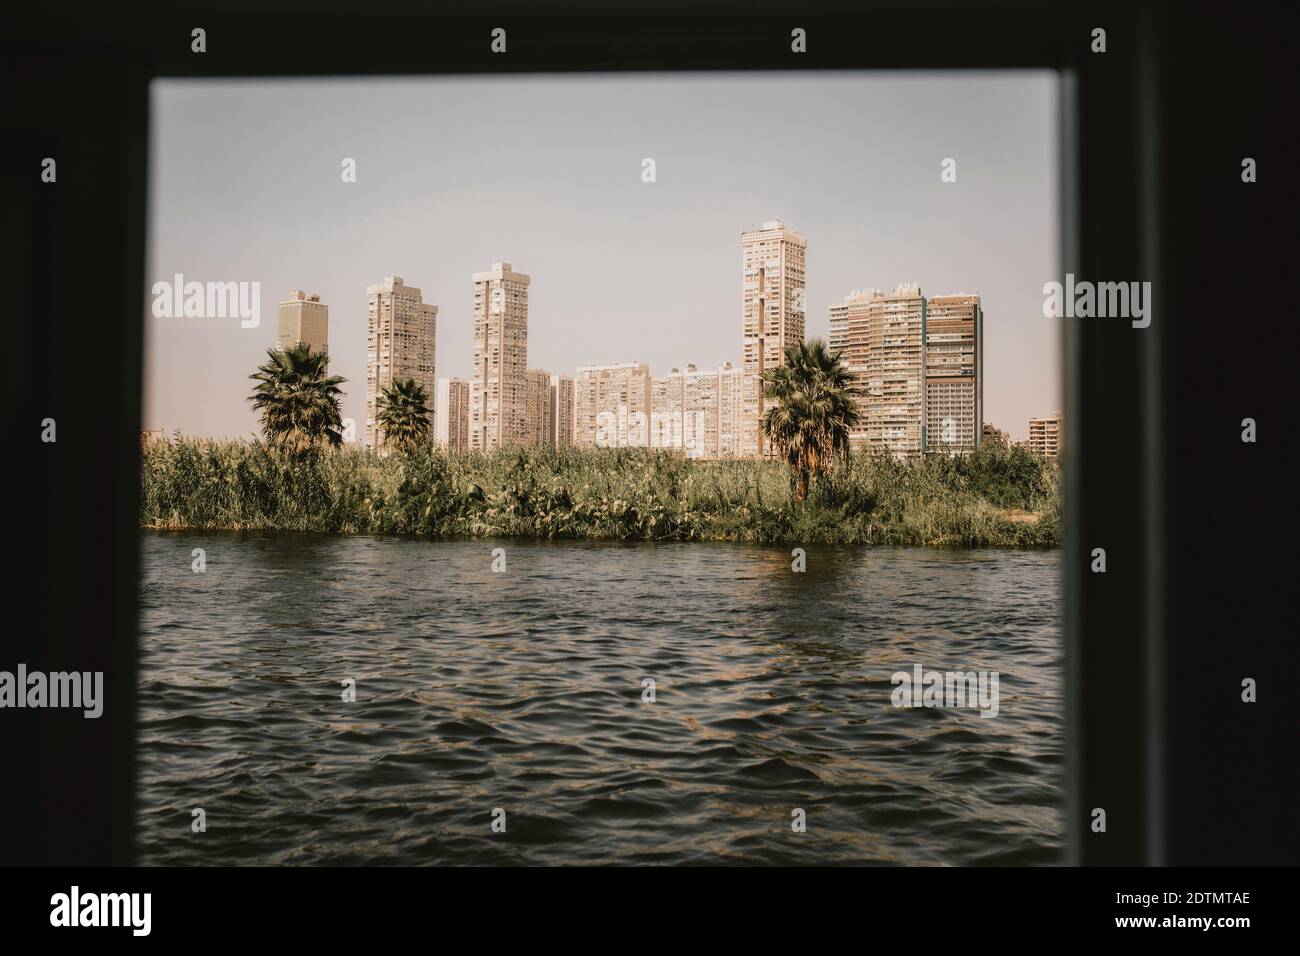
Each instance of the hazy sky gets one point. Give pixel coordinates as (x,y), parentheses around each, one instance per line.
(545,172)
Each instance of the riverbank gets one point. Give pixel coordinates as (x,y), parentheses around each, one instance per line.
(994,498)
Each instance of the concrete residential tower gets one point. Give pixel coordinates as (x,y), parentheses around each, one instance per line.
(896,371)
(539,406)
(773,262)
(882,336)
(499,389)
(918,365)
(451,421)
(304,318)
(698,411)
(954,373)
(1045,435)
(401,337)
(612,406)
(848,337)
(560,420)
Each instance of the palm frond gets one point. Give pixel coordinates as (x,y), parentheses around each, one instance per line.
(297,399)
(813,410)
(402,413)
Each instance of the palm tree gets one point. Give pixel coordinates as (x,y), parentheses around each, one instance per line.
(402,412)
(814,410)
(299,402)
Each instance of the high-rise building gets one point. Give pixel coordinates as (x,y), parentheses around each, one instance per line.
(611,406)
(539,407)
(451,419)
(882,336)
(304,318)
(1045,435)
(848,337)
(736,423)
(701,391)
(665,424)
(992,435)
(896,372)
(954,373)
(499,390)
(773,260)
(684,411)
(401,337)
(560,419)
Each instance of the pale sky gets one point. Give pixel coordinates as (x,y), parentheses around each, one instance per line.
(545,172)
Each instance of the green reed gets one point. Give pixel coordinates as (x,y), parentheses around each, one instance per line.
(993,498)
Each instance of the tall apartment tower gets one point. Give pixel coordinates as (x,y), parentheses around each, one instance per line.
(848,337)
(882,337)
(773,261)
(612,406)
(304,318)
(670,421)
(736,425)
(401,337)
(954,374)
(1045,435)
(539,407)
(499,390)
(451,419)
(560,399)
(896,372)
(667,410)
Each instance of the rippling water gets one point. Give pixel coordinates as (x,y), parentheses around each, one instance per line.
(523,690)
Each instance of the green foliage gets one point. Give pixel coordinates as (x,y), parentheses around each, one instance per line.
(994,497)
(297,400)
(815,409)
(402,411)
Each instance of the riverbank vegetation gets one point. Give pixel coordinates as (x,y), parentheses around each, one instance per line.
(302,476)
(993,497)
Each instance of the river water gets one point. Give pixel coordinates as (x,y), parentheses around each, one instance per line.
(518,697)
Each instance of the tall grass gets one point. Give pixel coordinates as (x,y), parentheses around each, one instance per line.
(992,498)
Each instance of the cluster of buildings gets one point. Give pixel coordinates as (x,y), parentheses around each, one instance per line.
(917,363)
(1044,436)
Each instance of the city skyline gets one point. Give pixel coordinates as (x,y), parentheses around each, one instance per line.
(915,362)
(643,278)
